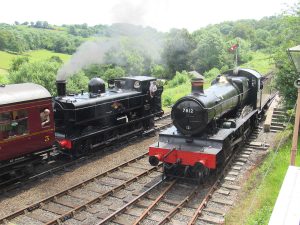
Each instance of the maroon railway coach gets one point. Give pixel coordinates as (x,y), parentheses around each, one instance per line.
(22,131)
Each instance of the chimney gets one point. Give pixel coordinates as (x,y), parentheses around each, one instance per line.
(61,88)
(197,85)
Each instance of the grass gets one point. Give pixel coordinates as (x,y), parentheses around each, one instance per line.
(43,54)
(261,62)
(261,194)
(5,60)
(36,55)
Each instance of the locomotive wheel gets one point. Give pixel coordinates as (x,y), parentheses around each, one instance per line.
(200,177)
(168,171)
(200,173)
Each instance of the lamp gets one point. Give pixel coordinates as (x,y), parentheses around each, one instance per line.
(294,55)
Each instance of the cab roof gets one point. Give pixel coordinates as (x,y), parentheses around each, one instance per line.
(14,93)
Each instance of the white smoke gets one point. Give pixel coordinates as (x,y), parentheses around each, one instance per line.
(146,41)
(137,38)
(90,52)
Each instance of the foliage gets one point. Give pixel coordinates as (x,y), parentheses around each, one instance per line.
(44,73)
(286,74)
(40,72)
(285,78)
(243,29)
(17,62)
(115,72)
(178,79)
(3,79)
(211,73)
(261,62)
(96,70)
(210,51)
(171,94)
(77,82)
(158,71)
(177,49)
(22,38)
(130,56)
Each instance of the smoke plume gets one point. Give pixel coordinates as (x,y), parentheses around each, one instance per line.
(122,37)
(90,52)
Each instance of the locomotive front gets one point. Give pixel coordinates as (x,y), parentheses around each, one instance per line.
(196,112)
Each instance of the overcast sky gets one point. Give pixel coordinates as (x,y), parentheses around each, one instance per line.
(160,14)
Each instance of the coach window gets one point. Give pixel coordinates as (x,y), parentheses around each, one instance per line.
(13,124)
(5,124)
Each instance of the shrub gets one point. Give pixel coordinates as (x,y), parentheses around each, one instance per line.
(179,78)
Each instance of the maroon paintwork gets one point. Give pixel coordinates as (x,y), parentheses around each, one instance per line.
(36,137)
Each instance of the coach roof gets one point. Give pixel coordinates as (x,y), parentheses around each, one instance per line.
(13,93)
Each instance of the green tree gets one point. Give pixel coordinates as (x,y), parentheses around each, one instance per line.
(243,29)
(289,36)
(4,39)
(77,82)
(159,71)
(177,49)
(114,73)
(210,51)
(56,58)
(39,72)
(17,63)
(262,39)
(96,70)
(212,73)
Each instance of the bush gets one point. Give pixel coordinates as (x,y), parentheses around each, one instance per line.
(39,72)
(167,101)
(3,79)
(212,73)
(77,82)
(179,78)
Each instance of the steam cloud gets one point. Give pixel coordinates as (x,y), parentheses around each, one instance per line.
(122,36)
(90,52)
(146,41)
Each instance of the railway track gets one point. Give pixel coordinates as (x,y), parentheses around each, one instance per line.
(52,167)
(88,195)
(134,193)
(179,202)
(222,194)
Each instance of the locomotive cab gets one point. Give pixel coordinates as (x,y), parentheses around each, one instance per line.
(126,106)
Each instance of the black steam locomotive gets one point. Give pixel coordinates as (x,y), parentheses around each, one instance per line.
(75,123)
(210,124)
(87,120)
